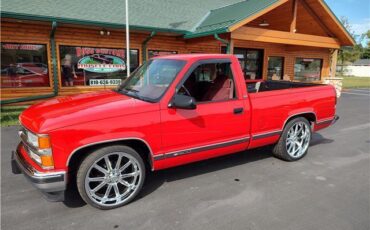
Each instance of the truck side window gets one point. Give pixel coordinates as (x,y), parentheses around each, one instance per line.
(210,82)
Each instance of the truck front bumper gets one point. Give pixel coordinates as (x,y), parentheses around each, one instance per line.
(51,184)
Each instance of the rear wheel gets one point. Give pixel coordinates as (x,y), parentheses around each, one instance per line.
(111,177)
(294,141)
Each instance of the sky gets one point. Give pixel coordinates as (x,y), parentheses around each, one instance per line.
(357,12)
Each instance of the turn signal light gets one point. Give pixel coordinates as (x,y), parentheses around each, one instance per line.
(47,161)
(44,142)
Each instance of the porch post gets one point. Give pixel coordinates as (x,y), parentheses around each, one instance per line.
(294,17)
(231,46)
(333,63)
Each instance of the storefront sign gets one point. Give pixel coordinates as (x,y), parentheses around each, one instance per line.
(10,46)
(101,63)
(83,51)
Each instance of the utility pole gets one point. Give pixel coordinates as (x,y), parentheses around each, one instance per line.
(127,42)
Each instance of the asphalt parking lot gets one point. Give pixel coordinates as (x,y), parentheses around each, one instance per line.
(328,189)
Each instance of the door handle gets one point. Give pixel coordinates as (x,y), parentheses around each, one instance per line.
(238,110)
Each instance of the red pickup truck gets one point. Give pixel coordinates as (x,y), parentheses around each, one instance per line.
(171,111)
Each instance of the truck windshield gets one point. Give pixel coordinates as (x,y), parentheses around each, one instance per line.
(150,81)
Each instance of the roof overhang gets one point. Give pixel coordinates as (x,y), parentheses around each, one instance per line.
(349,41)
(281,37)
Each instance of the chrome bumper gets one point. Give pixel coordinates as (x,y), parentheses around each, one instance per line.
(336,118)
(50,182)
(329,121)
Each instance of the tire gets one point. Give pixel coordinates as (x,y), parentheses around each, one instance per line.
(284,148)
(124,181)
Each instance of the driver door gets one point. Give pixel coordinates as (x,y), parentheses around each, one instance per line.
(220,120)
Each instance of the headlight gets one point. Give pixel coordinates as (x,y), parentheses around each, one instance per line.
(38,147)
(38,141)
(32,139)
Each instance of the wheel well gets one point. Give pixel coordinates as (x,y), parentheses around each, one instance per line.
(311,117)
(138,145)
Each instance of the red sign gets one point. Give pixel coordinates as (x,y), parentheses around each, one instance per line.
(83,51)
(22,47)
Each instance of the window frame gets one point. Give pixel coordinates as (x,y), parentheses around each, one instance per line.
(316,58)
(202,62)
(282,66)
(48,58)
(59,44)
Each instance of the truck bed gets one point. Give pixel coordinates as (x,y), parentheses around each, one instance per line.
(263,86)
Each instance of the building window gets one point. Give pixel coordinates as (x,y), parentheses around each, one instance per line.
(24,65)
(307,69)
(275,70)
(157,53)
(90,66)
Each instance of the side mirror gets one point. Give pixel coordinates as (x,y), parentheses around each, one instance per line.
(182,102)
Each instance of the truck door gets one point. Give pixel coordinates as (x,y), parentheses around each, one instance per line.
(221,120)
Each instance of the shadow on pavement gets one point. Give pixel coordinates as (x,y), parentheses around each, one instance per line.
(318,139)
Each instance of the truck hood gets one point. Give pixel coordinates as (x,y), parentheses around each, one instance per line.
(76,109)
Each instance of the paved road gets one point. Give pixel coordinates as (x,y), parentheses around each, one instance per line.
(328,189)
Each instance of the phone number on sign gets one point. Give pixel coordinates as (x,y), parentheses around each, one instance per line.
(105,82)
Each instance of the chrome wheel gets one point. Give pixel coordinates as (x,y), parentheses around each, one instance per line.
(113,179)
(298,139)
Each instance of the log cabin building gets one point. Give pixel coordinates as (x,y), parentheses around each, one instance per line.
(58,48)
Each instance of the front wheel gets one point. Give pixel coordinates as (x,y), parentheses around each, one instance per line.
(111,177)
(294,141)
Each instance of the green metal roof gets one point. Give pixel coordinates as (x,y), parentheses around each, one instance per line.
(222,18)
(170,15)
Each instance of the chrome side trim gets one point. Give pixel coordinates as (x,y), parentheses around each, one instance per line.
(200,148)
(312,112)
(108,141)
(325,120)
(266,134)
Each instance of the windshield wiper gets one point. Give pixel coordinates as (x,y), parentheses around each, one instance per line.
(134,93)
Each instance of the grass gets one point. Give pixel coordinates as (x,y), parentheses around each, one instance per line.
(9,114)
(356,82)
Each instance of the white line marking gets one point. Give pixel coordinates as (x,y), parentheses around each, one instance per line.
(361,94)
(357,127)
(361,90)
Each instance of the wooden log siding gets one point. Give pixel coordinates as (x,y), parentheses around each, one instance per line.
(281,37)
(38,32)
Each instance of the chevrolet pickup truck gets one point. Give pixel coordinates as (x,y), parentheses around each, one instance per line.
(171,111)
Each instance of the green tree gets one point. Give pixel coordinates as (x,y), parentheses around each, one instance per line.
(366,51)
(349,54)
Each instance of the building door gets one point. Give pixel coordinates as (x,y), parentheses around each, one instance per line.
(251,61)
